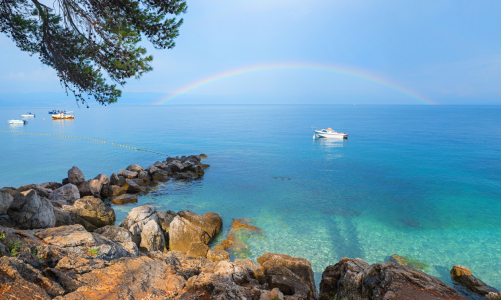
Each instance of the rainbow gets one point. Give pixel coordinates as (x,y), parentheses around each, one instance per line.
(345,70)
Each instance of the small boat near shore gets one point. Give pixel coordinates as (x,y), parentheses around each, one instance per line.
(28,115)
(328,133)
(63,116)
(17,122)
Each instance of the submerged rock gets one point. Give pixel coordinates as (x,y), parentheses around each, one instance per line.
(407,261)
(241,231)
(356,279)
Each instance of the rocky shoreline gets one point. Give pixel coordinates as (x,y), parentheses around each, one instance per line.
(59,241)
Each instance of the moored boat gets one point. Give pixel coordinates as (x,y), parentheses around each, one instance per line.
(17,121)
(63,116)
(328,133)
(28,115)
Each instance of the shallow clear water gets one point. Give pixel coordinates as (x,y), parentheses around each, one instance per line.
(419,181)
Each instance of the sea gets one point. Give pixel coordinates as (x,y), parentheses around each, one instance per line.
(423,182)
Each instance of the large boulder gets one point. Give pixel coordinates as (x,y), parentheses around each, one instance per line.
(145,177)
(127,174)
(164,220)
(277,266)
(151,169)
(152,237)
(31,211)
(356,279)
(65,218)
(120,236)
(209,222)
(465,282)
(137,218)
(41,191)
(103,179)
(114,180)
(175,166)
(5,200)
(75,176)
(91,187)
(113,191)
(93,211)
(124,199)
(160,175)
(182,233)
(134,168)
(132,187)
(68,193)
(75,239)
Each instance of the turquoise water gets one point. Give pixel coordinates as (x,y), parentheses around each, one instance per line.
(419,181)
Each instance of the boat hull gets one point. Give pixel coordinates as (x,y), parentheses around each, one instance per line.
(336,135)
(16,122)
(59,117)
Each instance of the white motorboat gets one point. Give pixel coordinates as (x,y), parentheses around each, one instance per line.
(17,121)
(328,133)
(28,115)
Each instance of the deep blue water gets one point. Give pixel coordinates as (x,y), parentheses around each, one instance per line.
(419,181)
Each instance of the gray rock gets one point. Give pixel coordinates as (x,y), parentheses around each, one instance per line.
(132,187)
(68,193)
(151,169)
(91,187)
(51,185)
(175,166)
(137,218)
(145,177)
(5,200)
(114,180)
(31,211)
(75,176)
(41,191)
(103,179)
(93,211)
(160,175)
(65,218)
(120,236)
(152,237)
(65,181)
(127,174)
(134,168)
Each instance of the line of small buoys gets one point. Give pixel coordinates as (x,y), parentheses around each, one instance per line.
(89,139)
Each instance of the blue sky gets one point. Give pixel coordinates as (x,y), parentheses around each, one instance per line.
(447,51)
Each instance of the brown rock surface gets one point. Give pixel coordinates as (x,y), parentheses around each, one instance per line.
(218,255)
(465,282)
(124,199)
(198,250)
(182,233)
(92,210)
(356,279)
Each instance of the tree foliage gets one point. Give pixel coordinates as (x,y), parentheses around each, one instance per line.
(86,41)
